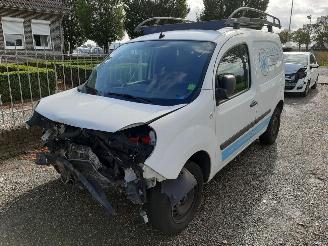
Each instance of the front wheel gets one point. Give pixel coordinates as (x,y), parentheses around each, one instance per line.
(172,219)
(270,135)
(315,84)
(307,88)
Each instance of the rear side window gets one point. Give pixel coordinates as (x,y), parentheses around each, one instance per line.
(236,62)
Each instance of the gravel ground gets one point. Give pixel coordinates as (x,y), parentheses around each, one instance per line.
(275,195)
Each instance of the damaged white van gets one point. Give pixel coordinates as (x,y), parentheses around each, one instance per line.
(165,112)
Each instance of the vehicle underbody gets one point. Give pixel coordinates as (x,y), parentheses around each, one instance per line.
(96,159)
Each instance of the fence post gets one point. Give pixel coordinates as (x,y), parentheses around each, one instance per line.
(19,82)
(38,72)
(70,61)
(29,79)
(2,114)
(10,92)
(63,68)
(47,73)
(55,66)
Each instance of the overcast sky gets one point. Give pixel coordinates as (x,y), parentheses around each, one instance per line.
(281,9)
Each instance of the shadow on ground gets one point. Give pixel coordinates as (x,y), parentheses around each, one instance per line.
(54,214)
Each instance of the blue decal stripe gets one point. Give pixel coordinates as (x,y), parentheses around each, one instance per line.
(232,148)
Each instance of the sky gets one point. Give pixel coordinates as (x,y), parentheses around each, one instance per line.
(281,9)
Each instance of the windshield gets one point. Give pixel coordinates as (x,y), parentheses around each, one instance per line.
(157,72)
(296,59)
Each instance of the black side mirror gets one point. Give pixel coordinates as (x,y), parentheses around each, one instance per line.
(225,86)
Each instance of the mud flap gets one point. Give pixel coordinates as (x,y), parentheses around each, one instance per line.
(176,189)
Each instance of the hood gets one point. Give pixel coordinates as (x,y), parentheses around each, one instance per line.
(291,68)
(98,113)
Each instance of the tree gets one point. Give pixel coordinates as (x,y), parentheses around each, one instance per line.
(73,34)
(137,11)
(221,9)
(301,36)
(285,36)
(101,20)
(321,32)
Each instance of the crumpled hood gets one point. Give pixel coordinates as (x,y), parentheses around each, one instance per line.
(96,112)
(291,68)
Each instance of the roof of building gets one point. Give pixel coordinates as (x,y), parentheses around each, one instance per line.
(47,6)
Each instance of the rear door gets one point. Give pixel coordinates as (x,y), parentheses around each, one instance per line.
(235,115)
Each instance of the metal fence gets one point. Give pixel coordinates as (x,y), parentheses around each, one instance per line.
(26,77)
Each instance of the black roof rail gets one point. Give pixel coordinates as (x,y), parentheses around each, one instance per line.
(254,23)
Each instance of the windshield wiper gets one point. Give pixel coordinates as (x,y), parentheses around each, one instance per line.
(128,96)
(87,89)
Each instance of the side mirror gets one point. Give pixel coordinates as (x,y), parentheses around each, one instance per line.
(225,86)
(314,66)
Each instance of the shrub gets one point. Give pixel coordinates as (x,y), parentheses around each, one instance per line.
(31,79)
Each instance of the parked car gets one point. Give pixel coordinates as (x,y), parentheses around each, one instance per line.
(301,72)
(87,51)
(164,113)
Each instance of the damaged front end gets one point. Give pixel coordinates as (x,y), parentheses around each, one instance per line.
(95,158)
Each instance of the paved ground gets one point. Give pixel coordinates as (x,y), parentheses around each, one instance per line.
(275,195)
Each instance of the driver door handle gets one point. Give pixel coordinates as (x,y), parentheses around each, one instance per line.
(253,104)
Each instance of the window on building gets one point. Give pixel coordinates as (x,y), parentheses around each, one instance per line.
(13,33)
(41,34)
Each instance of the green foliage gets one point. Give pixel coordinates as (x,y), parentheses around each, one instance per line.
(139,10)
(221,9)
(301,36)
(24,80)
(321,32)
(101,20)
(285,36)
(73,34)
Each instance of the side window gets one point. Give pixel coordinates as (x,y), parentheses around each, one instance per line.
(312,59)
(236,62)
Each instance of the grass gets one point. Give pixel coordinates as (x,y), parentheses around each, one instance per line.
(322,57)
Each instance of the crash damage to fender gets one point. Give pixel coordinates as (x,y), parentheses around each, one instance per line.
(96,159)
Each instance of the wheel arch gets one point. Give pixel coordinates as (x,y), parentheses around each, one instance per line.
(280,105)
(203,160)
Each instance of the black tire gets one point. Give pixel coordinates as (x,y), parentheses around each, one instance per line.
(162,214)
(315,84)
(307,89)
(270,135)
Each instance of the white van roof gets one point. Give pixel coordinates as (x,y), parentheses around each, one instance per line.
(204,35)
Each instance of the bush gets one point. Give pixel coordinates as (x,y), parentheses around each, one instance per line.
(31,79)
(76,71)
(322,57)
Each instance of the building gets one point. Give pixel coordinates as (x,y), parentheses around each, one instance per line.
(31,25)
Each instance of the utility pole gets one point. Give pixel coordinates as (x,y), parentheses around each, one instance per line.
(291,13)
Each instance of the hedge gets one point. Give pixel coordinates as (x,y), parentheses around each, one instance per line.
(26,75)
(76,71)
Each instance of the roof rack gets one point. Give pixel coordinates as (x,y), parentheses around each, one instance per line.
(254,23)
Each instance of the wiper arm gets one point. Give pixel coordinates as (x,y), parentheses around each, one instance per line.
(87,88)
(128,96)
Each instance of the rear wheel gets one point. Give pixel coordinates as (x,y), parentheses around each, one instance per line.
(172,219)
(270,135)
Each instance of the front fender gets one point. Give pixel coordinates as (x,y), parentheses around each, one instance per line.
(182,134)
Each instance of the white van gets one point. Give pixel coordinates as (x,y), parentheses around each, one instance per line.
(301,72)
(165,112)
